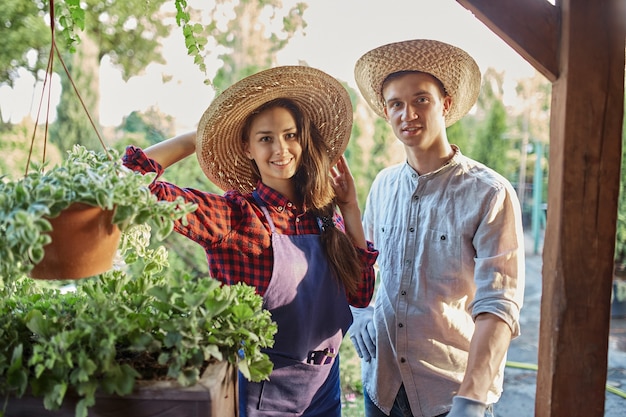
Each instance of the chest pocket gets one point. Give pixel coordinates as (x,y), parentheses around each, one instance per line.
(390,241)
(442,256)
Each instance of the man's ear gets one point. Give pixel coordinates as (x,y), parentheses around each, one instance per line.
(447,105)
(386,114)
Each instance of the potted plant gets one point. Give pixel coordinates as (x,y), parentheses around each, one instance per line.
(131,334)
(83,183)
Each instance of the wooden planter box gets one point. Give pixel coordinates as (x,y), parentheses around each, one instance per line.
(214,396)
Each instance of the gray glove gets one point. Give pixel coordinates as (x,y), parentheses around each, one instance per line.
(467,407)
(363,333)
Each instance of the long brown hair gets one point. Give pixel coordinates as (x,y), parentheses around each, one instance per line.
(314,187)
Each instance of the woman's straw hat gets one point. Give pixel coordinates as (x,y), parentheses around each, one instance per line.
(219,145)
(455,68)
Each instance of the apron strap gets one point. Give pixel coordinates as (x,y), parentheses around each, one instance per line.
(263,208)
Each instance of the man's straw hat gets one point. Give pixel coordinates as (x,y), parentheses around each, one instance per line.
(455,68)
(219,145)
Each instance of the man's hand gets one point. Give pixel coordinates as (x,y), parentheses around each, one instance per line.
(467,407)
(363,333)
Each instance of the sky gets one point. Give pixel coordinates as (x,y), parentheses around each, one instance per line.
(338,32)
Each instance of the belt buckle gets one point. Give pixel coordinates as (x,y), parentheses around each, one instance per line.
(321,357)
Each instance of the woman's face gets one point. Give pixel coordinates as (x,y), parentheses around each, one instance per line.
(274,144)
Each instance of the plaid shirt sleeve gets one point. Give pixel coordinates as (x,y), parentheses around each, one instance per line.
(208,223)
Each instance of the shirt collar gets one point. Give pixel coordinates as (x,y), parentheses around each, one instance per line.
(454,160)
(273,198)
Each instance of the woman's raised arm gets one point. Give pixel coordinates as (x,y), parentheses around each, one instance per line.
(173,149)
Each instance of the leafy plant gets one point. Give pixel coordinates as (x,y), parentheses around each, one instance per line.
(194,41)
(118,328)
(97,179)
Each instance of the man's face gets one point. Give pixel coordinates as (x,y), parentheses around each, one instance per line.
(415,107)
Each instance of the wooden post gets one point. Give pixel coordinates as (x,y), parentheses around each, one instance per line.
(579,46)
(583,187)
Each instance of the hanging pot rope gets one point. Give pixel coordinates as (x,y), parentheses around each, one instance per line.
(47,83)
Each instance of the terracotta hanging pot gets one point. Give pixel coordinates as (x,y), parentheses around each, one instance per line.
(84,242)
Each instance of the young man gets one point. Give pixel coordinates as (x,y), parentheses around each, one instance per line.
(450,237)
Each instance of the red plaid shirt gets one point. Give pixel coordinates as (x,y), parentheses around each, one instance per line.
(233,230)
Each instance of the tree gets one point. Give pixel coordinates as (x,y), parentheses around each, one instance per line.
(368,151)
(152,125)
(25,38)
(128,32)
(459,134)
(491,146)
(243,29)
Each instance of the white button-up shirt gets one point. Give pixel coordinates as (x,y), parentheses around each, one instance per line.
(451,247)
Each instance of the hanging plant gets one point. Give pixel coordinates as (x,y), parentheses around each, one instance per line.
(28,205)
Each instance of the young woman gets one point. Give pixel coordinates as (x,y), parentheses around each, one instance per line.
(274,143)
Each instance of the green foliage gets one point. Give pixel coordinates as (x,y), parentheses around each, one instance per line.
(71,18)
(192,32)
(151,125)
(128,31)
(459,134)
(368,155)
(23,30)
(350,365)
(247,52)
(97,179)
(117,328)
(15,145)
(491,147)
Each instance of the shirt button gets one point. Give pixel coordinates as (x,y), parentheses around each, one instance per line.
(443,237)
(297,219)
(415,197)
(403,292)
(280,208)
(289,205)
(402,360)
(411,229)
(400,325)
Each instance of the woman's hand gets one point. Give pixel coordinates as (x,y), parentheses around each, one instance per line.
(343,184)
(346,199)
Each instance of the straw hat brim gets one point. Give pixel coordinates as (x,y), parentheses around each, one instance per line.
(219,145)
(455,68)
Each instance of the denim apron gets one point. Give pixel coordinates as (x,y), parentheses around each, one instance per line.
(312,314)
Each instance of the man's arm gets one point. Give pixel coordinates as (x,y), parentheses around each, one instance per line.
(489,344)
(488,347)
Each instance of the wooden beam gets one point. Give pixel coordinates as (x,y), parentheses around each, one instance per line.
(585,155)
(530,27)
